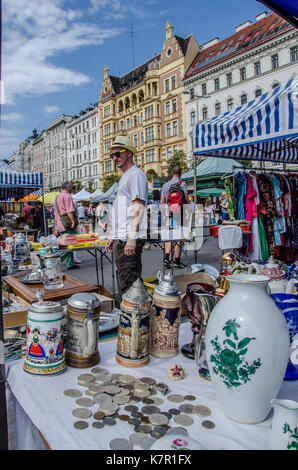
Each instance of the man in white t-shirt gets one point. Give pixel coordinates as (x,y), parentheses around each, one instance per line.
(129,219)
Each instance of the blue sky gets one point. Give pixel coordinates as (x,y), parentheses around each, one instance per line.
(54,51)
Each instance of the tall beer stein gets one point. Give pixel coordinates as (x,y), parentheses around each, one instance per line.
(165,318)
(133,331)
(83,311)
(45,350)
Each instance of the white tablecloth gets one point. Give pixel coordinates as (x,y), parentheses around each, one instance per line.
(40,400)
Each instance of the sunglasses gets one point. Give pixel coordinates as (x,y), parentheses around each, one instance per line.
(117,154)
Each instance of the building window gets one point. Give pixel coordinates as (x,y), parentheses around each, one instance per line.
(128,123)
(168,130)
(192,118)
(275,85)
(173,82)
(257,66)
(175,149)
(229,79)
(168,108)
(169,153)
(274,61)
(294,53)
(243,99)
(242,73)
(167,85)
(121,125)
(217,109)
(204,89)
(175,128)
(135,140)
(205,114)
(258,92)
(216,84)
(192,93)
(230,104)
(174,106)
(135,121)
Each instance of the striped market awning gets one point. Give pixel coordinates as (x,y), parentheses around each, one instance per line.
(265,129)
(15,184)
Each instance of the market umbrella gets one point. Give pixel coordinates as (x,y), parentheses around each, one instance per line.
(49,198)
(210,192)
(82,195)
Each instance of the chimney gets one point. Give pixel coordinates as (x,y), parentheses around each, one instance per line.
(261,16)
(242,26)
(210,43)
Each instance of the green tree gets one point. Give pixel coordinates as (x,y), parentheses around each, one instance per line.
(109,181)
(245,163)
(76,186)
(179,158)
(90,186)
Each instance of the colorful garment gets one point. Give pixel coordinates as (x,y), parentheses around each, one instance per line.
(250,208)
(241,192)
(228,190)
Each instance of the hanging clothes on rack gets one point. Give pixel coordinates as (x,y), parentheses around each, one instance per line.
(228,189)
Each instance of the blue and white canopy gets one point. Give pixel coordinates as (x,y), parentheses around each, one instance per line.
(265,129)
(15,184)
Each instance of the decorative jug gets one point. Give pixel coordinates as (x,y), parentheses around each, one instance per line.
(278,282)
(283,432)
(50,271)
(45,349)
(165,318)
(83,311)
(247,348)
(134,324)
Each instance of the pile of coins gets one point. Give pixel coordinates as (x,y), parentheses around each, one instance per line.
(109,391)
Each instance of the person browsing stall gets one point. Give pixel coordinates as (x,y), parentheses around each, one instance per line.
(129,214)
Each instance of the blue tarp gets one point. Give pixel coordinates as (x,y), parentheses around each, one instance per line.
(288,9)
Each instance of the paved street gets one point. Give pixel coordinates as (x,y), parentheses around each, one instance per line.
(152,263)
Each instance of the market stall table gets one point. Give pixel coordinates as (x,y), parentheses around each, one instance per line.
(39,402)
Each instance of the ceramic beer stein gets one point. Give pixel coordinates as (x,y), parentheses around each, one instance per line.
(165,318)
(45,350)
(83,311)
(133,331)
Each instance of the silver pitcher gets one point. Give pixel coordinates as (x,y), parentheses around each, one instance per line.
(206,305)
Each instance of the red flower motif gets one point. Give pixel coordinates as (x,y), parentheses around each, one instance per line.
(28,330)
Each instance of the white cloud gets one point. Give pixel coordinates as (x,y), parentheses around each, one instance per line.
(9,139)
(33,33)
(11,117)
(51,109)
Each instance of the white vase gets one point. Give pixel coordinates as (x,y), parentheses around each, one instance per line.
(247,348)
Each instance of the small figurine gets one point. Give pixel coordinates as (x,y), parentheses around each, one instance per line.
(176,372)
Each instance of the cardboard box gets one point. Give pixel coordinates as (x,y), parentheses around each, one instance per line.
(17,317)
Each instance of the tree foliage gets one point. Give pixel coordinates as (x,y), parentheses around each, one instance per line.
(179,158)
(76,186)
(109,181)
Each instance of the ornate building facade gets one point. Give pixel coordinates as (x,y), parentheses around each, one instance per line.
(148,106)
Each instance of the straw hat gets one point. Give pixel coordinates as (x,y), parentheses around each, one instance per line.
(125,142)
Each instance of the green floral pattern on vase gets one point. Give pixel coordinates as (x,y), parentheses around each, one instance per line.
(229,357)
(293,435)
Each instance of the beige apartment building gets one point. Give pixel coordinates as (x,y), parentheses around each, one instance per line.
(147,105)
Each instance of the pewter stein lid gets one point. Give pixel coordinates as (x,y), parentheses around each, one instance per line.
(82,300)
(137,294)
(167,286)
(45,306)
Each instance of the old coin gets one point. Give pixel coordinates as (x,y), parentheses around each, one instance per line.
(201,410)
(83,401)
(136,414)
(128,387)
(102,397)
(136,438)
(161,387)
(176,398)
(124,392)
(131,408)
(141,393)
(184,420)
(208,424)
(72,393)
(103,379)
(124,417)
(177,430)
(145,419)
(144,428)
(81,425)
(86,378)
(98,424)
(82,413)
(121,444)
(127,379)
(152,392)
(116,377)
(186,408)
(190,397)
(99,370)
(168,415)
(150,409)
(109,421)
(134,399)
(108,407)
(148,380)
(148,401)
(141,386)
(174,411)
(158,419)
(157,400)
(120,399)
(134,421)
(158,431)
(94,389)
(98,415)
(112,389)
(147,442)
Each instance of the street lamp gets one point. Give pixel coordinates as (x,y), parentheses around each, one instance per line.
(197,97)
